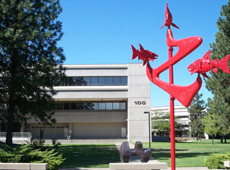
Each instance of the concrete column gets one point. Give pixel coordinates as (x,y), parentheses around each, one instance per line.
(70,129)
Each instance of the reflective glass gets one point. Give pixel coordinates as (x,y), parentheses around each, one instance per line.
(108,81)
(87,81)
(101,106)
(95,106)
(116,106)
(109,106)
(66,106)
(59,106)
(80,81)
(93,81)
(73,106)
(101,81)
(123,106)
(124,81)
(116,81)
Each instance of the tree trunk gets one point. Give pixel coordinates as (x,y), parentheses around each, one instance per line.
(222,139)
(9,130)
(11,101)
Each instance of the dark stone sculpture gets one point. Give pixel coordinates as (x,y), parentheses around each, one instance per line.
(126,152)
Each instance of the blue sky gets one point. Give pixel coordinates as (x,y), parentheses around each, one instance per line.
(101,32)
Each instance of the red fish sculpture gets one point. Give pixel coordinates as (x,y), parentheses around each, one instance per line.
(168,18)
(203,65)
(144,55)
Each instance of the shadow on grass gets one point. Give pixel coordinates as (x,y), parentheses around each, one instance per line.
(160,154)
(89,155)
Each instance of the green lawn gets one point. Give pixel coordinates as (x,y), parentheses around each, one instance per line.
(190,154)
(89,155)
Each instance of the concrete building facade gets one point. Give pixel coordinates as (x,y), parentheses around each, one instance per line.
(100,102)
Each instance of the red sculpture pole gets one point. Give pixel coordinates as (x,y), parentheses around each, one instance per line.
(172,123)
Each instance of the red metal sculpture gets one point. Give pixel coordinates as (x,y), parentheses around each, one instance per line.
(168,18)
(184,94)
(144,55)
(203,65)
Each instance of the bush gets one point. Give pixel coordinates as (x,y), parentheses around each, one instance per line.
(28,154)
(216,161)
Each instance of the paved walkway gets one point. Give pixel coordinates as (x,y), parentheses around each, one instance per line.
(179,168)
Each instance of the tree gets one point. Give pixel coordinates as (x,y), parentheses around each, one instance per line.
(219,84)
(161,123)
(196,111)
(30,60)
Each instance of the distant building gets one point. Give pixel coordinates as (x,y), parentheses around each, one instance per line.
(100,102)
(183,117)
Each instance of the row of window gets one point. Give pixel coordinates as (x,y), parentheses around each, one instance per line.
(96,81)
(90,106)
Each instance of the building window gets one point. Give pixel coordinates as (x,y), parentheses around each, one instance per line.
(116,106)
(101,106)
(90,106)
(123,81)
(96,81)
(108,81)
(109,106)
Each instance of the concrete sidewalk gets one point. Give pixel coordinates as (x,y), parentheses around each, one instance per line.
(179,168)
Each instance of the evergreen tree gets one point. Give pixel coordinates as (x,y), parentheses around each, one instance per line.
(196,111)
(29,60)
(219,84)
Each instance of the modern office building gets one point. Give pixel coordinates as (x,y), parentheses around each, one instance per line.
(182,115)
(100,102)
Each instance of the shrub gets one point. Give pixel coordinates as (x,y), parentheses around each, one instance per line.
(28,154)
(216,161)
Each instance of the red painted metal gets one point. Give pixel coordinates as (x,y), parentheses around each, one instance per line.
(172,121)
(144,55)
(168,18)
(204,65)
(184,94)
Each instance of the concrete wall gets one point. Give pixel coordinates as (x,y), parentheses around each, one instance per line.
(138,103)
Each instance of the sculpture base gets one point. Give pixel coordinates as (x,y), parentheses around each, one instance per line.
(151,165)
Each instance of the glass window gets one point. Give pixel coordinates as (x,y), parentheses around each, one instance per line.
(116,106)
(101,106)
(124,81)
(101,81)
(93,81)
(73,106)
(122,105)
(95,106)
(72,81)
(80,81)
(116,81)
(66,106)
(109,106)
(87,81)
(108,81)
(66,81)
(59,106)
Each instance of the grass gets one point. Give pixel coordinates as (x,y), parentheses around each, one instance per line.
(89,155)
(188,154)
